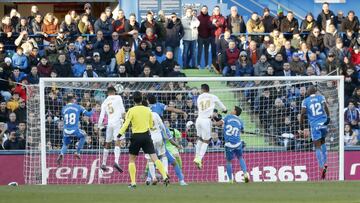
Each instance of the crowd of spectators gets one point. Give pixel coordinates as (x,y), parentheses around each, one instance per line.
(82,45)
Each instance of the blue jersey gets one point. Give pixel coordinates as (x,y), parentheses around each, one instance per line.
(233,127)
(314,105)
(158,108)
(72,114)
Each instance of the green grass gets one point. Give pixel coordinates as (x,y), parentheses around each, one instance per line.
(256,141)
(321,192)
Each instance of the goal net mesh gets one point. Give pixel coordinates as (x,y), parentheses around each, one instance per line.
(274,149)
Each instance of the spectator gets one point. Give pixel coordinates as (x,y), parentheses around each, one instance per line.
(339,19)
(190,24)
(51,53)
(108,56)
(85,26)
(356,97)
(44,68)
(14,143)
(278,39)
(124,54)
(34,57)
(315,40)
(254,26)
(304,52)
(121,72)
(3,54)
(349,38)
(89,72)
(204,31)
(102,24)
(25,42)
(69,27)
(22,26)
(98,65)
(169,63)
(286,70)
(4,112)
(87,9)
(12,122)
(61,41)
(17,75)
(143,52)
(340,51)
(270,53)
(71,53)
(133,68)
(98,42)
(268,21)
(176,72)
(330,38)
(15,17)
(150,38)
(150,23)
(50,26)
(326,18)
(21,113)
(79,68)
(146,72)
(308,23)
(36,28)
(230,60)
(278,63)
(131,25)
(33,12)
(351,81)
(351,22)
(115,43)
(159,53)
(261,66)
(62,67)
(279,18)
(109,14)
(235,22)
(161,21)
(218,25)
(33,76)
(74,16)
(287,51)
(119,23)
(352,115)
(314,64)
(174,34)
(88,50)
(245,66)
(154,66)
(19,60)
(350,135)
(296,65)
(7,29)
(355,55)
(289,24)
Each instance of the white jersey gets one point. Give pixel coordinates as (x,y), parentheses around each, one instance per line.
(114,108)
(158,128)
(206,105)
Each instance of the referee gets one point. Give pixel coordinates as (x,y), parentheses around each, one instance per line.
(141,121)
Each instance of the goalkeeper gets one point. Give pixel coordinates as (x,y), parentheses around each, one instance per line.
(172,148)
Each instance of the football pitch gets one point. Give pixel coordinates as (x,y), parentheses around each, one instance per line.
(304,192)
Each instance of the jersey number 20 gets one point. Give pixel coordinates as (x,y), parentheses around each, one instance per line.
(232,131)
(316,109)
(70,118)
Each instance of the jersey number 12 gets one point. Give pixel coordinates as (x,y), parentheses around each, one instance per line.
(316,109)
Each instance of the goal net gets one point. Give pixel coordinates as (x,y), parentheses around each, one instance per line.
(274,148)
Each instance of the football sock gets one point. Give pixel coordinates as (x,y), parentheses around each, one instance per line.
(319,157)
(117,154)
(161,169)
(152,170)
(165,163)
(105,155)
(324,153)
(80,145)
(179,161)
(229,169)
(203,150)
(132,172)
(243,165)
(197,148)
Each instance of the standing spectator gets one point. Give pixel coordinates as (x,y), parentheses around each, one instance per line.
(108,56)
(268,21)
(339,19)
(87,9)
(85,26)
(161,21)
(218,25)
(289,25)
(33,76)
(191,24)
(44,67)
(89,72)
(50,26)
(63,68)
(315,40)
(98,65)
(279,18)
(308,23)
(36,29)
(20,61)
(330,38)
(119,23)
(255,26)
(69,27)
(351,22)
(230,61)
(286,71)
(326,18)
(74,16)
(33,12)
(79,68)
(349,38)
(7,29)
(109,14)
(23,26)
(235,22)
(174,34)
(102,24)
(150,22)
(204,31)
(352,115)
(15,17)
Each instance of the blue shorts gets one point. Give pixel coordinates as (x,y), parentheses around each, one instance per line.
(230,153)
(318,132)
(76,133)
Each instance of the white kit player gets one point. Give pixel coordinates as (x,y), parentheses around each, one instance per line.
(205,104)
(113,106)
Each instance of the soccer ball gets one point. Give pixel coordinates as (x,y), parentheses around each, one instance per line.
(119,88)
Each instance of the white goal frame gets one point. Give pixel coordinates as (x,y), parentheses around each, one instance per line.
(340,91)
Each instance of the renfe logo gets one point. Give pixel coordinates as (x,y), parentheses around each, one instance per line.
(353,168)
(267,174)
(80,172)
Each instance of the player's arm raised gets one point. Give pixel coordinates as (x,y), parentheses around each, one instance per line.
(175,110)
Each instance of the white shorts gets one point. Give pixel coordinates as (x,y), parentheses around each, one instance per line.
(203,128)
(159,148)
(112,132)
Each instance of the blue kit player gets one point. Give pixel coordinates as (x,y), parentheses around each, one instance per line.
(160,108)
(71,114)
(232,129)
(317,111)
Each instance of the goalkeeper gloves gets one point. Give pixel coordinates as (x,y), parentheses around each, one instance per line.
(327,121)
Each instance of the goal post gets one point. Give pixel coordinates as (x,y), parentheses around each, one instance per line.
(274,151)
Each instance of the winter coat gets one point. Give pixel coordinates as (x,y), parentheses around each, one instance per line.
(105,26)
(235,24)
(190,28)
(255,26)
(174,33)
(204,28)
(219,27)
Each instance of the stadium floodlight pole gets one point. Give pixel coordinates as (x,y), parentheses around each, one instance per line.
(42,134)
(341,128)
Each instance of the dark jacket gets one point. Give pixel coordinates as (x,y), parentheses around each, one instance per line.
(174,33)
(315,42)
(71,29)
(268,22)
(168,65)
(146,24)
(99,68)
(63,70)
(106,27)
(204,28)
(287,25)
(322,17)
(235,25)
(350,25)
(156,68)
(133,69)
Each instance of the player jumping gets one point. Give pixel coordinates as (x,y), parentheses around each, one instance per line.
(232,129)
(113,106)
(205,104)
(71,114)
(317,111)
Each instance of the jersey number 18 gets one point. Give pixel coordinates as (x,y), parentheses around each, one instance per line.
(70,119)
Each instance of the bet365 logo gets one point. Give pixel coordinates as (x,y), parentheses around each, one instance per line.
(267,174)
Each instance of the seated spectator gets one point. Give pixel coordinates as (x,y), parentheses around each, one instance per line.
(3,53)
(159,53)
(15,17)
(44,67)
(271,53)
(4,112)
(14,143)
(308,23)
(146,72)
(289,25)
(79,68)
(286,70)
(230,59)
(7,29)
(350,135)
(121,71)
(143,52)
(349,38)
(69,27)
(149,22)
(26,42)
(98,65)
(107,55)
(245,67)
(315,40)
(296,65)
(85,26)
(109,15)
(314,64)
(340,51)
(21,113)
(355,55)
(17,76)
(304,52)
(150,38)
(270,71)
(133,68)
(169,63)
(33,76)
(22,26)
(330,38)
(51,53)
(98,41)
(12,122)
(356,97)
(50,26)
(278,63)
(260,67)
(89,72)
(224,41)
(7,68)
(61,41)
(20,61)
(253,52)
(123,55)
(71,53)
(287,51)
(155,66)
(351,22)
(115,43)
(80,44)
(88,51)
(62,67)
(176,72)
(102,24)
(34,57)
(352,115)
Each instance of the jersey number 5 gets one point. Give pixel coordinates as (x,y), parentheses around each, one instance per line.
(204,105)
(110,108)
